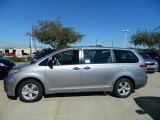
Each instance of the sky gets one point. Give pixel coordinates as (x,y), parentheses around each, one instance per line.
(101,20)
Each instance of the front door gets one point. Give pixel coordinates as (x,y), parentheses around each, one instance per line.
(65,73)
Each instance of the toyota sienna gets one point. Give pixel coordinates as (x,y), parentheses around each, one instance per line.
(79,69)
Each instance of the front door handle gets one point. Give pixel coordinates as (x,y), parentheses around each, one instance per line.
(87,68)
(76,68)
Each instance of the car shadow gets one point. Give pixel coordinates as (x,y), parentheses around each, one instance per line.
(77,94)
(150,72)
(149,105)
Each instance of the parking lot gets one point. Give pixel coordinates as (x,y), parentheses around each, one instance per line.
(144,104)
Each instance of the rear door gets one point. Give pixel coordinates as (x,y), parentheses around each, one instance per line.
(128,63)
(98,70)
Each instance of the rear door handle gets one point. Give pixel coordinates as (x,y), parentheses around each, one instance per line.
(76,68)
(87,68)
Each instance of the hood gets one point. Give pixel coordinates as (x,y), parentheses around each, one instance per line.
(23,65)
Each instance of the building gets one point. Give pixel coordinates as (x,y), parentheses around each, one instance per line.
(9,51)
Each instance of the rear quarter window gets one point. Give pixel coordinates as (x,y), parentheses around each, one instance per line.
(125,56)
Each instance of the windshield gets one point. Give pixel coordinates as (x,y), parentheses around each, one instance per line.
(43,53)
(144,55)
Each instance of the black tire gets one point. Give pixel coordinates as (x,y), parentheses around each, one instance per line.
(12,97)
(33,90)
(123,88)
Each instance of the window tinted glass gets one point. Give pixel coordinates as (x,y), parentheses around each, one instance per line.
(124,56)
(67,58)
(44,62)
(153,55)
(144,55)
(97,56)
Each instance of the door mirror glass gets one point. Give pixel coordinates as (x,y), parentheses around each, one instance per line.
(50,63)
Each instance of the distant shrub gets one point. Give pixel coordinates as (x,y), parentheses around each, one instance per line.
(30,58)
(17,59)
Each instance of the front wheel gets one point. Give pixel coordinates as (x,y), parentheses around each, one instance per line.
(30,91)
(123,88)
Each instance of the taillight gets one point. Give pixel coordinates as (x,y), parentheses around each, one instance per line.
(143,66)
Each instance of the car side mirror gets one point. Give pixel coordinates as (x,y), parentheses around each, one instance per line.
(51,63)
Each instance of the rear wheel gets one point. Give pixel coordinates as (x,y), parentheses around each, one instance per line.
(30,91)
(123,88)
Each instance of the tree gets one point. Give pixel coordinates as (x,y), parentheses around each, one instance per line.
(156,37)
(54,34)
(145,38)
(140,38)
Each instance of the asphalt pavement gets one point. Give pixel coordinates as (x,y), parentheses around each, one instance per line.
(143,104)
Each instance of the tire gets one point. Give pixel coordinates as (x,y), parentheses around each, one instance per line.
(30,91)
(123,88)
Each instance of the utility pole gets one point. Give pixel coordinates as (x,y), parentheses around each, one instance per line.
(30,42)
(112,43)
(125,36)
(35,47)
(97,42)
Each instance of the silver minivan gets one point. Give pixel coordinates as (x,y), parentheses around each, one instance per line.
(79,69)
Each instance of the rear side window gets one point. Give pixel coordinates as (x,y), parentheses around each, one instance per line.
(97,56)
(125,56)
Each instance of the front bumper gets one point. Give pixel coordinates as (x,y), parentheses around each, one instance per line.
(10,85)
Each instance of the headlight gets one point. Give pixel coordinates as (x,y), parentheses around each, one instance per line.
(14,70)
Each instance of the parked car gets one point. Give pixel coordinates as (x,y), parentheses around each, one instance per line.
(5,66)
(155,56)
(152,65)
(79,69)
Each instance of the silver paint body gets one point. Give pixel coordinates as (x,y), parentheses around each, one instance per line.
(64,78)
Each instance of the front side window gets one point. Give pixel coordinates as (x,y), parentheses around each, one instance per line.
(97,56)
(43,63)
(125,56)
(70,57)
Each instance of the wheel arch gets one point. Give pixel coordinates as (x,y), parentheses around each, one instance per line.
(32,78)
(127,77)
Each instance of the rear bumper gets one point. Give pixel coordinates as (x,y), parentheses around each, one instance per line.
(141,83)
(153,68)
(3,73)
